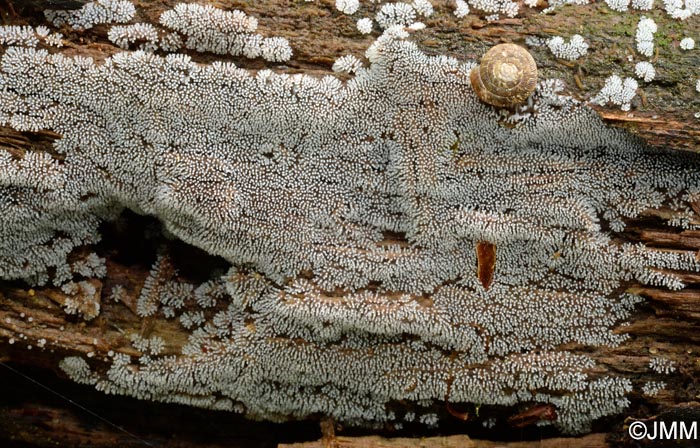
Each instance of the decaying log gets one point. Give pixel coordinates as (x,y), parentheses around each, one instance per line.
(40,334)
(589,441)
(35,333)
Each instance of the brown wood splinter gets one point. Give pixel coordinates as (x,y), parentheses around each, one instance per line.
(485,262)
(328,432)
(464,416)
(533,415)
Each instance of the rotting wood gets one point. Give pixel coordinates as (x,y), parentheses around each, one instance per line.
(320,34)
(667,323)
(590,441)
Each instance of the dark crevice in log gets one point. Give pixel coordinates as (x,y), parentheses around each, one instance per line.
(667,324)
(126,422)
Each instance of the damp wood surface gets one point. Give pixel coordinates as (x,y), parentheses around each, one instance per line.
(668,323)
(663,114)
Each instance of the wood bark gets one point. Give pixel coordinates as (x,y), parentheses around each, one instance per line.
(37,406)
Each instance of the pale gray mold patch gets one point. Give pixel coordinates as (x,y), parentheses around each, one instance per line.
(292,174)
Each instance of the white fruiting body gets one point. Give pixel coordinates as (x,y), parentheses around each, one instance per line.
(392,14)
(364,25)
(347,6)
(687,43)
(347,64)
(461,8)
(617,91)
(209,29)
(381,187)
(571,51)
(93,13)
(646,28)
(645,70)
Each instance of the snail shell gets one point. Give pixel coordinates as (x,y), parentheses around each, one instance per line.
(506,77)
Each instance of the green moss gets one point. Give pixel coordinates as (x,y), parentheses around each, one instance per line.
(627,26)
(662,40)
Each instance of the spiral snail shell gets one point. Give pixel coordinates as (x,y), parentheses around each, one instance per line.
(506,77)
